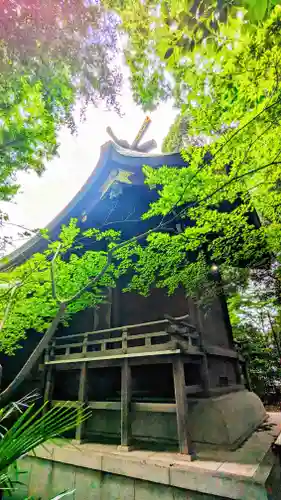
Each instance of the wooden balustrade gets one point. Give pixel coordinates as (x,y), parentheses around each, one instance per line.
(143,337)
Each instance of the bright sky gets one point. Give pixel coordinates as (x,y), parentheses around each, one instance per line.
(40,199)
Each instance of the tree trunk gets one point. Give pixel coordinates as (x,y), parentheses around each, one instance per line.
(34,357)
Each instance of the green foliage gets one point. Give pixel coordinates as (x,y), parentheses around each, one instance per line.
(175,140)
(233,100)
(164,36)
(33,306)
(44,69)
(28,134)
(72,40)
(253,308)
(31,428)
(164,262)
(263,361)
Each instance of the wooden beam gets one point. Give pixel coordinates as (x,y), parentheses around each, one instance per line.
(215,391)
(136,407)
(193,389)
(107,361)
(126,395)
(82,397)
(90,357)
(220,352)
(116,406)
(185,443)
(49,385)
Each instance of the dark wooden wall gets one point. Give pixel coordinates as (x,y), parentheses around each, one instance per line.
(213,322)
(134,308)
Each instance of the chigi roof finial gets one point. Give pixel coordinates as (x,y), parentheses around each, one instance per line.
(146,147)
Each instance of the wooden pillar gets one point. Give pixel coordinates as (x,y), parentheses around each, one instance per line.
(238,371)
(49,383)
(115,313)
(82,396)
(185,444)
(108,311)
(247,375)
(204,368)
(204,371)
(96,319)
(126,395)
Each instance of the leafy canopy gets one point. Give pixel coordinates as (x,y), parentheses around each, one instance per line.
(232,99)
(51,56)
(230,92)
(33,306)
(163,35)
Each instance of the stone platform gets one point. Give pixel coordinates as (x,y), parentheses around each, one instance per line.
(102,472)
(226,421)
(223,421)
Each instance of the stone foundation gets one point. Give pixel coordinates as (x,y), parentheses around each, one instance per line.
(226,421)
(223,421)
(102,472)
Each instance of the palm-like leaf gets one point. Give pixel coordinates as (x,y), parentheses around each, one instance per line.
(31,429)
(34,428)
(63,495)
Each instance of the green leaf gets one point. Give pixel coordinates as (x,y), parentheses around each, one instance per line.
(63,495)
(257,9)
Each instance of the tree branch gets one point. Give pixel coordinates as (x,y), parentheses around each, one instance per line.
(34,357)
(14,142)
(221,188)
(245,126)
(54,289)
(109,261)
(92,281)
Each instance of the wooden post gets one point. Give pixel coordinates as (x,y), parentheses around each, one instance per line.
(108,313)
(52,350)
(96,319)
(126,391)
(49,378)
(185,444)
(204,371)
(116,307)
(48,385)
(82,396)
(238,371)
(85,344)
(148,342)
(247,376)
(124,340)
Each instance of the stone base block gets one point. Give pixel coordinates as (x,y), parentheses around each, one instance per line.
(223,421)
(125,448)
(226,421)
(102,472)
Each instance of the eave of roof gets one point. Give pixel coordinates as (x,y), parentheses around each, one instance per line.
(112,157)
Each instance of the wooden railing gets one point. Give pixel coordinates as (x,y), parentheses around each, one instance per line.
(151,337)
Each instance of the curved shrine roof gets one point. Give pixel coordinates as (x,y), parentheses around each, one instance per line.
(115,164)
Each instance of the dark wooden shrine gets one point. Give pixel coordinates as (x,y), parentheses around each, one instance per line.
(138,363)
